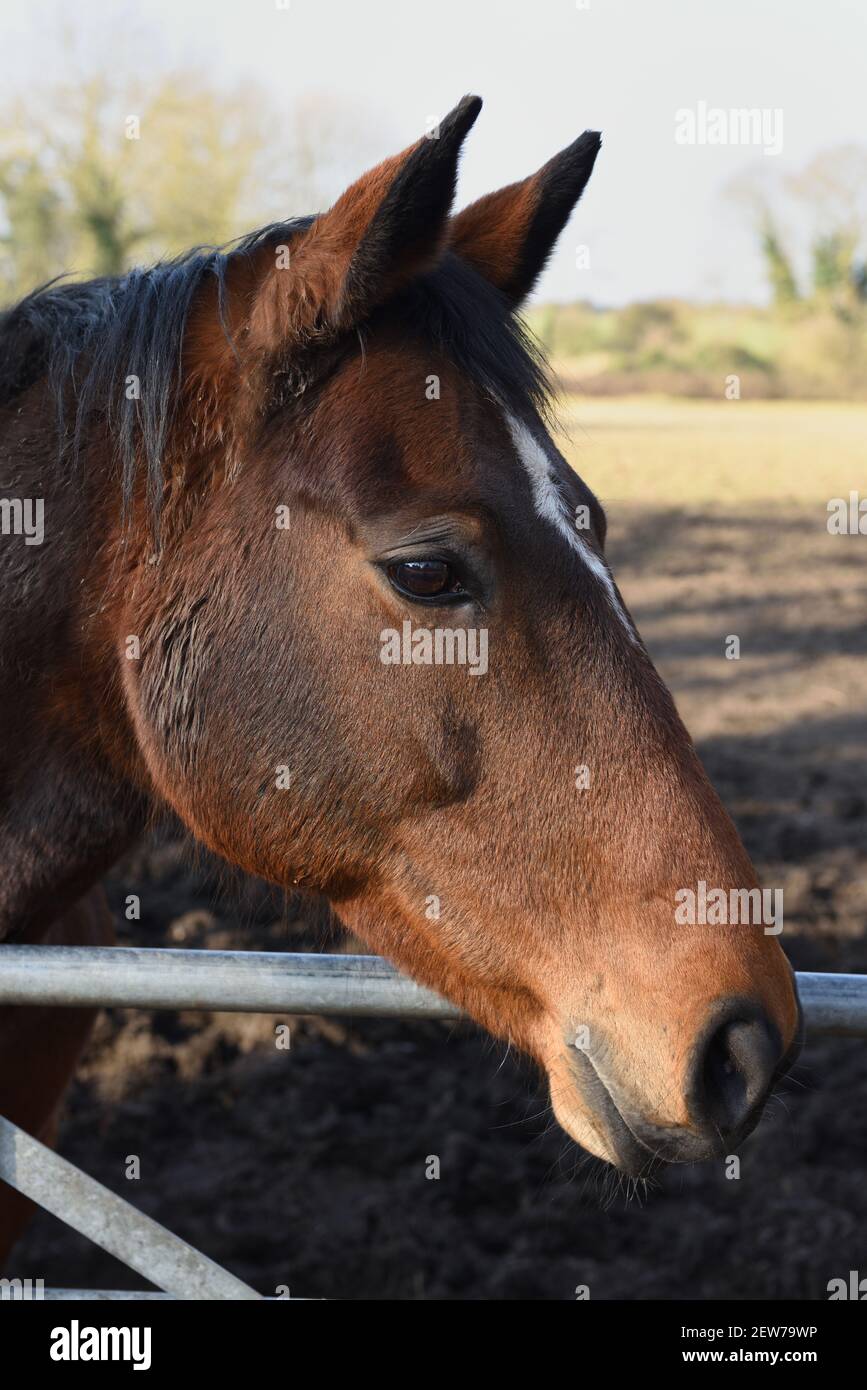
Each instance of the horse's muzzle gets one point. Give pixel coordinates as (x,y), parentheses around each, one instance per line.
(733,1066)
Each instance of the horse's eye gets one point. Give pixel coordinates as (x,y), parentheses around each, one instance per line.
(426,579)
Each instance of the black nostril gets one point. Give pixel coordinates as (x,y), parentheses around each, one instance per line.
(736,1068)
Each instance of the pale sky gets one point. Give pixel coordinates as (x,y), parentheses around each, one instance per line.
(655,217)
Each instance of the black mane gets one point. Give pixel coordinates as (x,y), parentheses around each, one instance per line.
(467,318)
(86,339)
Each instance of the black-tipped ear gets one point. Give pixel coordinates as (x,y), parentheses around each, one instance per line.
(408,228)
(386,228)
(509,235)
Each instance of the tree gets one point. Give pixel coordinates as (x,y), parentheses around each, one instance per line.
(781,276)
(833,190)
(105,172)
(762,195)
(814,220)
(834,267)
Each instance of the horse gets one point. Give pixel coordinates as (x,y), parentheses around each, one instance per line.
(256,465)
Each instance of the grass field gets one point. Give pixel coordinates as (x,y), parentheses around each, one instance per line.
(698,453)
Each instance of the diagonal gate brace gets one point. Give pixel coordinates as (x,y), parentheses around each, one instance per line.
(111,1222)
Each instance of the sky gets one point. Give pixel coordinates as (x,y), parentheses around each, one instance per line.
(658,218)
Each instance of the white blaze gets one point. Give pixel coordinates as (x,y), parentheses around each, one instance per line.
(549,504)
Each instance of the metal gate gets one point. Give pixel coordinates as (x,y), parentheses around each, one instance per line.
(242,982)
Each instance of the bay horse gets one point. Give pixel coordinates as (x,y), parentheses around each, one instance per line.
(254,464)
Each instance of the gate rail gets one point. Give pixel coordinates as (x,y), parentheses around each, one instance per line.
(130,977)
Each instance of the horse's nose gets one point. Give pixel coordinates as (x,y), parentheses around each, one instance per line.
(734,1067)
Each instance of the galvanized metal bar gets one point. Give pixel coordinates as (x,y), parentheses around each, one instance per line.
(237,981)
(122,1296)
(835,1005)
(13,1295)
(286,983)
(112,1223)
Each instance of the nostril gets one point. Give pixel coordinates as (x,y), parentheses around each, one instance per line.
(736,1070)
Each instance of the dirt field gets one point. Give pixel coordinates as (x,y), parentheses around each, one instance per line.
(307,1167)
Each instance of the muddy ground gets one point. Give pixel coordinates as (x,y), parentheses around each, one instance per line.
(307,1168)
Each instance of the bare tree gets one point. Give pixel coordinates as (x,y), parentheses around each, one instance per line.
(104,171)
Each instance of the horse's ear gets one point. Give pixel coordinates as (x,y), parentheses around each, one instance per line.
(386,228)
(508,235)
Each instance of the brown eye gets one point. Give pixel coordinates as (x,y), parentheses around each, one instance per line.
(426,579)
